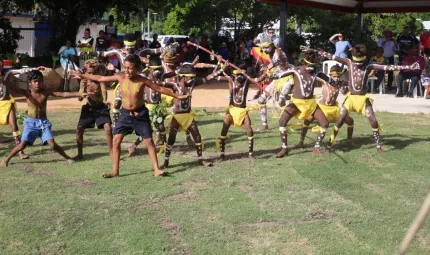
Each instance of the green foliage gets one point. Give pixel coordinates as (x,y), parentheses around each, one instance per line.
(9,37)
(21,116)
(158,113)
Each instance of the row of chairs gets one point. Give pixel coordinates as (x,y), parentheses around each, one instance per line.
(419,89)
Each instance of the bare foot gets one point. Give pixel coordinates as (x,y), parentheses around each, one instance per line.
(282,153)
(263,128)
(22,155)
(70,161)
(318,152)
(4,163)
(352,145)
(109,175)
(381,151)
(160,173)
(205,163)
(132,151)
(190,142)
(251,158)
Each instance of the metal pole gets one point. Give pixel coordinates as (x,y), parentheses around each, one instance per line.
(149,17)
(282,27)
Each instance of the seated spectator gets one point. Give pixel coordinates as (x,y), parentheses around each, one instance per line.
(413,75)
(378,59)
(295,58)
(223,51)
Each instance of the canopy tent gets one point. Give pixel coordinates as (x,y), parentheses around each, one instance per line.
(352,6)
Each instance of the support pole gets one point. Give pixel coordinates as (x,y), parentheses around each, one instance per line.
(282,27)
(359,26)
(149,18)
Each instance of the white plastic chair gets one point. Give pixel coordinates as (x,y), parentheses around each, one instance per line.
(372,80)
(415,92)
(328,64)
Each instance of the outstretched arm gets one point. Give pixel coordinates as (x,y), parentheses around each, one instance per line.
(332,38)
(65,94)
(144,59)
(164,91)
(98,78)
(148,51)
(344,61)
(414,66)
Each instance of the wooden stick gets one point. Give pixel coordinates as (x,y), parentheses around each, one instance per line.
(415,227)
(225,61)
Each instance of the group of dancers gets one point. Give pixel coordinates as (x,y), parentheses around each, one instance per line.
(138,100)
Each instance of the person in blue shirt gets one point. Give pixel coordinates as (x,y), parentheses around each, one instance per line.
(64,53)
(223,51)
(342,46)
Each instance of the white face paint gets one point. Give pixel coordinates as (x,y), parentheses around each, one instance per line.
(309,69)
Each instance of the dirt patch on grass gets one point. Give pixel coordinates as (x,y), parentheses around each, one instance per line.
(81,182)
(175,236)
(28,168)
(317,216)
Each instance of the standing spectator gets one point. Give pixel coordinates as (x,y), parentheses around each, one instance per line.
(85,45)
(425,43)
(145,44)
(110,29)
(113,59)
(101,41)
(155,43)
(204,57)
(342,46)
(405,41)
(269,35)
(249,43)
(223,51)
(413,75)
(390,47)
(192,39)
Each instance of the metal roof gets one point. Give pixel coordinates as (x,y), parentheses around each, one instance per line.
(363,6)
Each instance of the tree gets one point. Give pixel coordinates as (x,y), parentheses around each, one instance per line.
(9,37)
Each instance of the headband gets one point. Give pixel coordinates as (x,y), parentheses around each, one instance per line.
(187,75)
(308,63)
(238,71)
(127,43)
(336,73)
(155,67)
(359,59)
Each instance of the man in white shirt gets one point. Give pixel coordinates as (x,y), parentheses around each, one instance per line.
(389,44)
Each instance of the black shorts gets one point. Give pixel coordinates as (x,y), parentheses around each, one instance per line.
(94,114)
(128,122)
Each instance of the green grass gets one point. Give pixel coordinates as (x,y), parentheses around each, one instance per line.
(349,202)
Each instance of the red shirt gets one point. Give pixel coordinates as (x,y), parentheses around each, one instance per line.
(409,60)
(425,41)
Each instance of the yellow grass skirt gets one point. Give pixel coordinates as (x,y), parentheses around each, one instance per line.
(356,103)
(238,114)
(332,113)
(306,107)
(184,120)
(5,107)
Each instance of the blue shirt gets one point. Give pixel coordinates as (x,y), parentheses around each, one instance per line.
(224,53)
(342,48)
(63,56)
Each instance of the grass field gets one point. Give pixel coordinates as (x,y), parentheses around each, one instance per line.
(349,202)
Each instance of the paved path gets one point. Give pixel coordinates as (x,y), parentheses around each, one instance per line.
(215,94)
